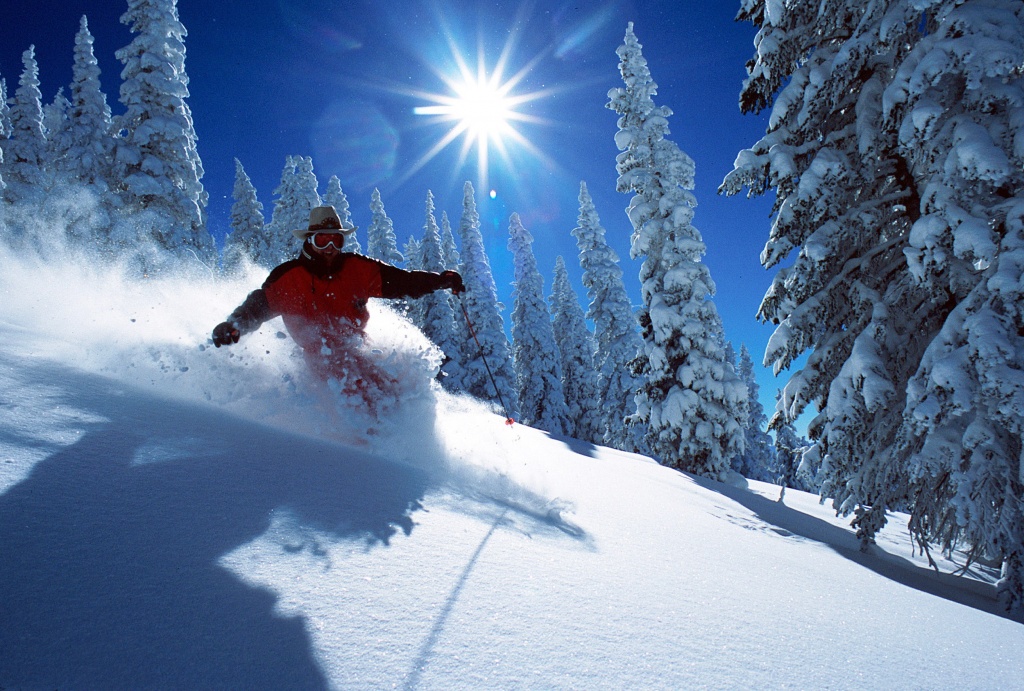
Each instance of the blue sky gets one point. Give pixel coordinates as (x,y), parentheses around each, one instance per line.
(340,81)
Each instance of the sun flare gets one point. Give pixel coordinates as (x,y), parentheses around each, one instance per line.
(482,108)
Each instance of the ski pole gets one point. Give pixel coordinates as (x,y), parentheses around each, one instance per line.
(508,418)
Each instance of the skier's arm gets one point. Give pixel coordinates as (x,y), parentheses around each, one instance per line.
(399,283)
(246,318)
(251,314)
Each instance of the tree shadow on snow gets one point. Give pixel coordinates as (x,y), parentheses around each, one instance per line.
(789,522)
(109,548)
(577,446)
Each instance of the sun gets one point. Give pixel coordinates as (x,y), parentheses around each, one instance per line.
(480,109)
(483,108)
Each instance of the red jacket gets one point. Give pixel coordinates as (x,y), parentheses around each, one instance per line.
(323,302)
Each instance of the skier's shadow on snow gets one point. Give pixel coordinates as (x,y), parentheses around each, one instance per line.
(109,548)
(789,523)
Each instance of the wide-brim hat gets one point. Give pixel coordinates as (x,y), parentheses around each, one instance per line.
(324,219)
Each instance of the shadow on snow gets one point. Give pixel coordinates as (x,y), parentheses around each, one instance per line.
(789,522)
(109,548)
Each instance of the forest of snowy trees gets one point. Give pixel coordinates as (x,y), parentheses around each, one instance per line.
(895,152)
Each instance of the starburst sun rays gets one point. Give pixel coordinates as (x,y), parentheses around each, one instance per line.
(482,108)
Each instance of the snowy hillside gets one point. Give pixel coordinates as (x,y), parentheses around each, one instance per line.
(178,516)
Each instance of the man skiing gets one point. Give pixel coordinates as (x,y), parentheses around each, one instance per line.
(322,297)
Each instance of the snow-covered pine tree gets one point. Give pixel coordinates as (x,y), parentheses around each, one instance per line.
(296,196)
(758,461)
(381,242)
(692,403)
(958,98)
(157,162)
(576,357)
(25,151)
(789,449)
(534,352)
(894,148)
(413,254)
(335,196)
(481,303)
(305,190)
(413,262)
(448,249)
(248,240)
(57,125)
(92,146)
(5,111)
(436,311)
(92,142)
(615,327)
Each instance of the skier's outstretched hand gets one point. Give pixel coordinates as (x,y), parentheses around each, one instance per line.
(453,281)
(225,333)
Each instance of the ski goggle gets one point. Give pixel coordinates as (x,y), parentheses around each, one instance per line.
(322,241)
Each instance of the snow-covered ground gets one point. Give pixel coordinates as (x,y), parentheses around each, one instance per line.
(178,516)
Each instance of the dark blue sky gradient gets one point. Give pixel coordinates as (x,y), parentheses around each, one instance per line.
(271,78)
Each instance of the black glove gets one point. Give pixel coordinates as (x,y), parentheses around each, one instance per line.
(453,281)
(225,333)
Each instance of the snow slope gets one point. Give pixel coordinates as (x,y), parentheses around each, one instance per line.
(178,516)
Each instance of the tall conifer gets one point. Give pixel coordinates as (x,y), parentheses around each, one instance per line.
(894,147)
(490,347)
(692,403)
(534,352)
(157,159)
(615,327)
(576,356)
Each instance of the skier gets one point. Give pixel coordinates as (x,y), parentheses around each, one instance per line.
(322,297)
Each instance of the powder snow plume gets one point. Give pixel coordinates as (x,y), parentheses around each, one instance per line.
(153,333)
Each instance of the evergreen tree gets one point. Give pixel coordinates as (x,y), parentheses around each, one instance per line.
(758,461)
(436,311)
(157,162)
(576,356)
(295,199)
(413,254)
(413,262)
(894,148)
(692,403)
(248,240)
(306,197)
(5,111)
(92,143)
(789,449)
(25,151)
(481,304)
(334,196)
(448,249)
(57,125)
(615,328)
(534,352)
(381,241)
